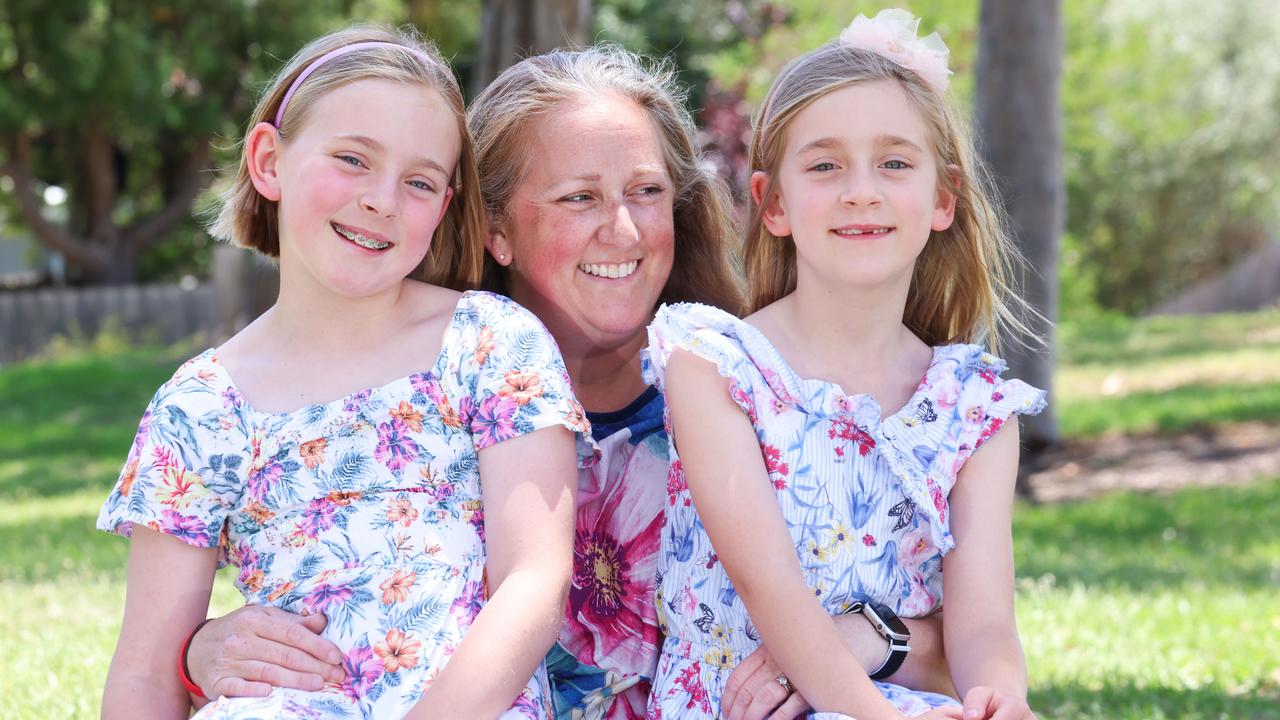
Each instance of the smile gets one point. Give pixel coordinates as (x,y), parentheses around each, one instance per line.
(862,232)
(361,240)
(609,270)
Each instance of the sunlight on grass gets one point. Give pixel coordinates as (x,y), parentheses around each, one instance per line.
(1167,374)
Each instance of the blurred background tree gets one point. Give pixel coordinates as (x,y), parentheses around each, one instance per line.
(111,111)
(1170,108)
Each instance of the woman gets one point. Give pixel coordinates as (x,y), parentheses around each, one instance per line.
(599,210)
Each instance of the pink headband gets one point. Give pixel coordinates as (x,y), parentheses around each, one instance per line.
(338,52)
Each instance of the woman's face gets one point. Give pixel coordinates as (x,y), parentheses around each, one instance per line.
(588,236)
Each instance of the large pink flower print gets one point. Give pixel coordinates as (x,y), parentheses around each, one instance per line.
(612,622)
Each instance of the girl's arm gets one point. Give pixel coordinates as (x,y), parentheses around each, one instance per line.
(752,688)
(169,583)
(529,483)
(738,508)
(980,629)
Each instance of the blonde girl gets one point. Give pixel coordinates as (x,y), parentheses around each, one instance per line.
(380,436)
(824,448)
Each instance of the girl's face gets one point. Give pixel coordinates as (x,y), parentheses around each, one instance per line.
(857,188)
(363,185)
(589,235)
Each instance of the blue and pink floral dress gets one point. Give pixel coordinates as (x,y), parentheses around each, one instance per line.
(603,665)
(367,508)
(864,495)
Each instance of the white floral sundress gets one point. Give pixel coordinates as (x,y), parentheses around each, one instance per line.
(367,508)
(864,496)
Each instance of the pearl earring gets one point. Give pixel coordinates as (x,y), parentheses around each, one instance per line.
(502,256)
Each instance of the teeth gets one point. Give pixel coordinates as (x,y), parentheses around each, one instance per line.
(874,231)
(609,270)
(361,240)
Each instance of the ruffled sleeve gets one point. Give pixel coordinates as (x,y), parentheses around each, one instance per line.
(963,401)
(519,382)
(185,470)
(708,333)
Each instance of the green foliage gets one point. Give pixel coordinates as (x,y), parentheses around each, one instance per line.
(1171,110)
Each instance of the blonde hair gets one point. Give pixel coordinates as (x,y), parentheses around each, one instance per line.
(247,219)
(961,284)
(705,267)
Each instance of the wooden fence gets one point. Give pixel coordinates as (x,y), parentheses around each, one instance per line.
(29,320)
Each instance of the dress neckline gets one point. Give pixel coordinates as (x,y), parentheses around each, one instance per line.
(830,396)
(247,407)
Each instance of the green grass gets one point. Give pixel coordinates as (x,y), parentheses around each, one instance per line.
(1148,606)
(1131,607)
(1167,374)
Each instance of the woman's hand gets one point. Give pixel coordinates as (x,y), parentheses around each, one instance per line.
(255,648)
(985,703)
(753,691)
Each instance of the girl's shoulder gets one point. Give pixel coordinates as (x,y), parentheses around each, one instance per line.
(498,314)
(198,378)
(702,330)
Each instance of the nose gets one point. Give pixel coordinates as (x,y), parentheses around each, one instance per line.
(381,196)
(621,227)
(861,188)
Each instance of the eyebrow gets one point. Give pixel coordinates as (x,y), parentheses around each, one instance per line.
(375,145)
(828,143)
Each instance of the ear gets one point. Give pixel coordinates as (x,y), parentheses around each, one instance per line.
(262,156)
(772,212)
(496,242)
(944,205)
(444,206)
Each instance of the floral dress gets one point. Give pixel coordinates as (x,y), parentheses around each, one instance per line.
(603,665)
(864,496)
(367,508)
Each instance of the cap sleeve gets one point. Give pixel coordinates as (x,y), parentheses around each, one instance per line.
(184,471)
(519,382)
(708,333)
(964,401)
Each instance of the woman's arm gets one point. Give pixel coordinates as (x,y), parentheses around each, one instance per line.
(529,483)
(980,628)
(738,508)
(168,590)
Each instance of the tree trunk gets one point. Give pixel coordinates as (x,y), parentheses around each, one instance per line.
(513,29)
(1019,117)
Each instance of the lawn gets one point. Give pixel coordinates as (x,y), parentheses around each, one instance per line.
(1131,607)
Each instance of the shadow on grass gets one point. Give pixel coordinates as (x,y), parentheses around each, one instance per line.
(1131,702)
(67,426)
(1182,408)
(1212,536)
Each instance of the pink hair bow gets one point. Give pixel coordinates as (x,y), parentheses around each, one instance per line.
(892,33)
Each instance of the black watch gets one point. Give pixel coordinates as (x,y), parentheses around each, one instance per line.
(891,628)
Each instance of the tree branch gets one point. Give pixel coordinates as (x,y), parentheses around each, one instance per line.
(29,205)
(193,178)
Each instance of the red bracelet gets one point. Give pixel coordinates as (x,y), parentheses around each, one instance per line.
(184,673)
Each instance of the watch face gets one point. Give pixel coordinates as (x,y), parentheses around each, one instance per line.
(893,626)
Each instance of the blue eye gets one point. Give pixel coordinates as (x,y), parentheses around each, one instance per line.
(351,160)
(894,165)
(823,167)
(421,185)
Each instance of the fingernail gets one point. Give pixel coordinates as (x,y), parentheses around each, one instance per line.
(971,713)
